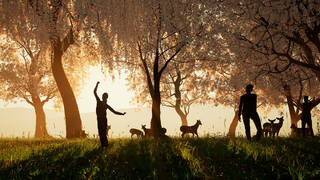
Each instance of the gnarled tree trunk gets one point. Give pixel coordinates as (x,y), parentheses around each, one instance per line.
(177,94)
(294,116)
(71,110)
(41,129)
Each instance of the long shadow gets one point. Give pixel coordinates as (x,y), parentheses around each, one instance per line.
(188,158)
(144,159)
(58,162)
(222,161)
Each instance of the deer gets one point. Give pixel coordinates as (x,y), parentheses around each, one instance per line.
(268,127)
(107,130)
(273,128)
(191,129)
(148,132)
(299,132)
(136,132)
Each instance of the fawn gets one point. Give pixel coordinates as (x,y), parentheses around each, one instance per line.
(273,128)
(190,129)
(107,130)
(148,132)
(298,131)
(267,127)
(137,132)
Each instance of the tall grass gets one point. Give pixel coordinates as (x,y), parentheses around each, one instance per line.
(175,158)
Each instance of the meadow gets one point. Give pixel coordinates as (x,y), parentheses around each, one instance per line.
(173,158)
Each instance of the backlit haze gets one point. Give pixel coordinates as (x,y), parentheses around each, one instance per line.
(18,120)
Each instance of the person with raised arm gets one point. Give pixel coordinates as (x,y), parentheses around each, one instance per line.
(248,109)
(101,111)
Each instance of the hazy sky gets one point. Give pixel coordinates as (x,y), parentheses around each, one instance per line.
(214,119)
(119,95)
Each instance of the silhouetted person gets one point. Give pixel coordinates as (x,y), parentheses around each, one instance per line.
(248,109)
(101,111)
(306,116)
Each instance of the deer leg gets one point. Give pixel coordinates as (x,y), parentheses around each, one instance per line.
(197,134)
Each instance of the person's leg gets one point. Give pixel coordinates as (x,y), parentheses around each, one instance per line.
(246,121)
(106,125)
(102,132)
(257,123)
(309,122)
(303,125)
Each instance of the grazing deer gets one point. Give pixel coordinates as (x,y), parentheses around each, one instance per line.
(190,129)
(148,132)
(137,132)
(274,128)
(299,132)
(107,130)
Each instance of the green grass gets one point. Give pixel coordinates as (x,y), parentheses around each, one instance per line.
(176,158)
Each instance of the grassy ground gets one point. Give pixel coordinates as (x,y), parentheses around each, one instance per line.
(176,158)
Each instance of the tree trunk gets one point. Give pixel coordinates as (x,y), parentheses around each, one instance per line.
(41,129)
(294,116)
(155,120)
(182,115)
(233,125)
(184,121)
(177,93)
(71,111)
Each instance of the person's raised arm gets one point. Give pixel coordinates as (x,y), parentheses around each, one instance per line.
(95,91)
(115,112)
(240,108)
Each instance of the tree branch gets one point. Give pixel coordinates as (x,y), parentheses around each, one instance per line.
(167,62)
(145,67)
(68,40)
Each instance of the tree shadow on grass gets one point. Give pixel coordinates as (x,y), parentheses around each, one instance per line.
(188,158)
(139,159)
(222,161)
(55,162)
(143,159)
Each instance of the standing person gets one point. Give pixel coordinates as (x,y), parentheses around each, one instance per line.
(306,116)
(101,111)
(248,109)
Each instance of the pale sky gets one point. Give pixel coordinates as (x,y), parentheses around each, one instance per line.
(119,95)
